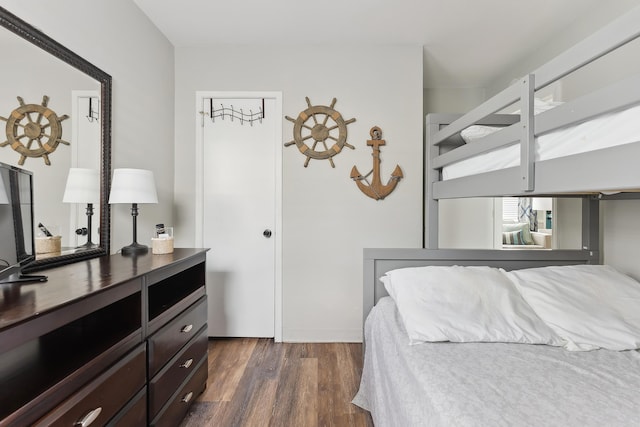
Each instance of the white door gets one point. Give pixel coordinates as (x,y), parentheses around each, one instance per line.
(240,159)
(85,153)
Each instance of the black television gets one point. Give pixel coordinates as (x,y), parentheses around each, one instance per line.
(17,244)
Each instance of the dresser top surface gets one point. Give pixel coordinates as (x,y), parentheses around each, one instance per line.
(74,282)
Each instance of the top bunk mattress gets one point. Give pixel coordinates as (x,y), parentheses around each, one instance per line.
(602,132)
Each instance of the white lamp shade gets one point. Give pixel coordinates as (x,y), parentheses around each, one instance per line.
(83,186)
(542,203)
(133,186)
(4,199)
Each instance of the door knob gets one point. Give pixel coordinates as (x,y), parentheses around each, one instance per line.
(266,233)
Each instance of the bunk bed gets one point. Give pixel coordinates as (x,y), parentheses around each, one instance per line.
(458,376)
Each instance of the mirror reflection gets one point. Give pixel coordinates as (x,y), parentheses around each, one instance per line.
(527,222)
(36,92)
(538,223)
(51,113)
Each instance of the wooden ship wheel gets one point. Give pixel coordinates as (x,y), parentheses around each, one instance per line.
(32,124)
(325,124)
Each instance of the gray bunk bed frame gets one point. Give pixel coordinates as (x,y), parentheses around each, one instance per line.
(591,173)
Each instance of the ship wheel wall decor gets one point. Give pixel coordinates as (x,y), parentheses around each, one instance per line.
(33,123)
(320,130)
(376,190)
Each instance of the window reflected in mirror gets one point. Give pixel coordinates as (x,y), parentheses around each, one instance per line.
(527,223)
(538,223)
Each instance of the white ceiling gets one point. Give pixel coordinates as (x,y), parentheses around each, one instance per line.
(466,42)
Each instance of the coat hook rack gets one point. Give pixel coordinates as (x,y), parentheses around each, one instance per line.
(233,113)
(94,115)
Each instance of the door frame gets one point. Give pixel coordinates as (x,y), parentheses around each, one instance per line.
(78,217)
(199,186)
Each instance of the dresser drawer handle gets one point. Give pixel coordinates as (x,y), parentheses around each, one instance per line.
(186,328)
(89,418)
(187,397)
(187,363)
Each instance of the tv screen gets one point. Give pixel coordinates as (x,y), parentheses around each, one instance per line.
(16,220)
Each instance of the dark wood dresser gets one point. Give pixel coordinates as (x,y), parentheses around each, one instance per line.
(115,340)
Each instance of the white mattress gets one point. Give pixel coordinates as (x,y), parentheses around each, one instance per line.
(603,132)
(491,384)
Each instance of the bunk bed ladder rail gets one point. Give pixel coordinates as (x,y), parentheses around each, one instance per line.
(527,137)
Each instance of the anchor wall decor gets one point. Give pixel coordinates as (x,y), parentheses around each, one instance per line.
(376,190)
(320,130)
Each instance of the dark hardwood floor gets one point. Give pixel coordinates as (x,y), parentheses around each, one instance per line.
(256,382)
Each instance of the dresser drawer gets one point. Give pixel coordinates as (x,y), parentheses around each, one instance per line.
(177,407)
(165,343)
(103,397)
(169,379)
(134,414)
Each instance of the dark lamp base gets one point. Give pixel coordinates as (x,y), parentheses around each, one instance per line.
(135,249)
(86,246)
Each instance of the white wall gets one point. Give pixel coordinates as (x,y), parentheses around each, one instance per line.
(586,23)
(117,37)
(621,235)
(327,220)
(452,100)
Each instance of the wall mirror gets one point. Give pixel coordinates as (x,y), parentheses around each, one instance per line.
(41,72)
(558,222)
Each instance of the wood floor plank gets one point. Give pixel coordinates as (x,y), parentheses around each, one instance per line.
(260,406)
(330,395)
(297,394)
(261,383)
(255,395)
(267,357)
(227,362)
(348,367)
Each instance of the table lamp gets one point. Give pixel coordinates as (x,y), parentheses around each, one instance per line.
(133,186)
(544,204)
(83,186)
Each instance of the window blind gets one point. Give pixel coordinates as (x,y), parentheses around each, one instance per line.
(510,209)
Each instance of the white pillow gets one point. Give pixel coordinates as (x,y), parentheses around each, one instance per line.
(464,304)
(474,132)
(590,306)
(540,105)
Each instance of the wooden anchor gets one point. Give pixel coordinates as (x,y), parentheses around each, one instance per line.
(376,190)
